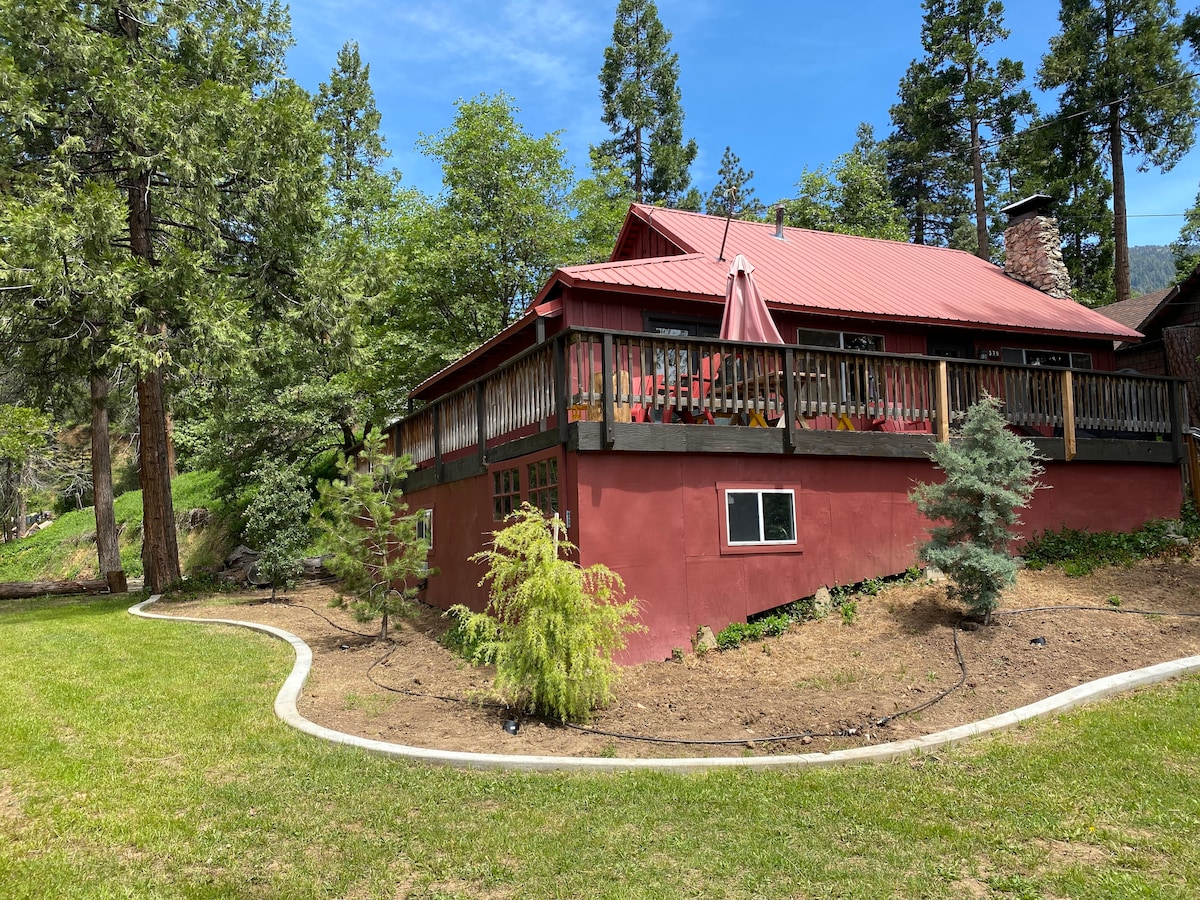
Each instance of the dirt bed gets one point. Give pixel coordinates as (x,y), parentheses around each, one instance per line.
(823,677)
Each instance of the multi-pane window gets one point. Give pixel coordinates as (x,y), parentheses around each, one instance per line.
(425,527)
(839,340)
(1059,358)
(542,478)
(506,492)
(760,517)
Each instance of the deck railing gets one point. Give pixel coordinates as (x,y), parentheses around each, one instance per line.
(613,377)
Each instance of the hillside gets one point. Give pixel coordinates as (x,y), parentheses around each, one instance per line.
(1151,268)
(67,549)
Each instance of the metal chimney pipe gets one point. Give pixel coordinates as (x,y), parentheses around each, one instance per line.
(779,222)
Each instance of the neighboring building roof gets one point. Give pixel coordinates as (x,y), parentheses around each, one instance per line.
(837,274)
(1136,312)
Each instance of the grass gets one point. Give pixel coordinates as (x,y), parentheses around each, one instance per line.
(141,759)
(67,549)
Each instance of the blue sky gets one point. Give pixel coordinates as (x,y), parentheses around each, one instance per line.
(785,83)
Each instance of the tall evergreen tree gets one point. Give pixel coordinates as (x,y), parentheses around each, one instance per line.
(165,159)
(957,90)
(732,194)
(927,161)
(640,92)
(1117,62)
(1057,157)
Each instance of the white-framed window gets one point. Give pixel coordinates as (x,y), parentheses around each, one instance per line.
(839,340)
(425,527)
(1058,358)
(766,516)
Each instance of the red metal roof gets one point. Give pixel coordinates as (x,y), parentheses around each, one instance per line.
(838,274)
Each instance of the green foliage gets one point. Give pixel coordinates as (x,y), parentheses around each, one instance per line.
(277,523)
(852,197)
(640,93)
(990,474)
(849,611)
(1118,65)
(374,544)
(1079,552)
(600,204)
(1185,251)
(732,194)
(551,626)
(736,633)
(471,636)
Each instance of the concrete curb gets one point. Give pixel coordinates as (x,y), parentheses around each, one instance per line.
(289,695)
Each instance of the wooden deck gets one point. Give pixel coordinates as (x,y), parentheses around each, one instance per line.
(607,390)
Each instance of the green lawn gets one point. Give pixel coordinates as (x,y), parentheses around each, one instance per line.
(141,759)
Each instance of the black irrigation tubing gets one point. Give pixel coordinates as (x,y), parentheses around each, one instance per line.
(853,731)
(387,687)
(321,616)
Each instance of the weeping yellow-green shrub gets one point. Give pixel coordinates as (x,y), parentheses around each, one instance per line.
(551,626)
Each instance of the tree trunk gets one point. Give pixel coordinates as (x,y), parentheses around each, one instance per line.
(1116,149)
(16,589)
(160,549)
(108,553)
(983,251)
(20,504)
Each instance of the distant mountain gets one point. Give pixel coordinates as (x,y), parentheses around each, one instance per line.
(1150,269)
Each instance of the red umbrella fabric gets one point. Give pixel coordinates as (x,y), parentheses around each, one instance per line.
(746,315)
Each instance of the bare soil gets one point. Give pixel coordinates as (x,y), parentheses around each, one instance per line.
(828,682)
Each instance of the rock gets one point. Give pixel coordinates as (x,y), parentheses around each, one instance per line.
(822,602)
(934,574)
(199,517)
(241,557)
(705,640)
(314,567)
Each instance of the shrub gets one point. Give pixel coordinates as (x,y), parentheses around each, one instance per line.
(990,475)
(551,626)
(277,523)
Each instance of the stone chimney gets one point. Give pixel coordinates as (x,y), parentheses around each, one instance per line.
(1033,247)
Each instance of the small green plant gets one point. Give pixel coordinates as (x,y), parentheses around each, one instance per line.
(735,634)
(991,475)
(277,523)
(375,549)
(677,654)
(471,637)
(1079,552)
(849,610)
(872,586)
(551,626)
(1114,600)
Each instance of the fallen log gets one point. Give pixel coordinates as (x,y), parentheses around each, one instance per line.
(16,589)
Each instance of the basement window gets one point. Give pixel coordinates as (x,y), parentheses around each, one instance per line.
(425,527)
(760,517)
(543,485)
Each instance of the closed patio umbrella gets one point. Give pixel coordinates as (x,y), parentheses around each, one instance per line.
(746,315)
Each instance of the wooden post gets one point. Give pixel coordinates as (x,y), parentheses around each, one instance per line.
(561,386)
(943,401)
(481,423)
(606,390)
(789,400)
(1179,416)
(1068,414)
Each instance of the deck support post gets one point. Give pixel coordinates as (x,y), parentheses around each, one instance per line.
(788,389)
(561,387)
(1068,414)
(942,388)
(606,390)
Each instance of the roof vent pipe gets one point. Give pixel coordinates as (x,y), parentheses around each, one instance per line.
(779,222)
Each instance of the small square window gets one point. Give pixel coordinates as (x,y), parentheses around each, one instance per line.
(760,517)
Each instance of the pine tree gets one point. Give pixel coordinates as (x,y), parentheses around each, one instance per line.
(1057,157)
(927,161)
(991,475)
(373,538)
(640,92)
(1117,63)
(732,194)
(957,91)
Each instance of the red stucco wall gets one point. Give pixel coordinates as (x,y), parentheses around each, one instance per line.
(654,519)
